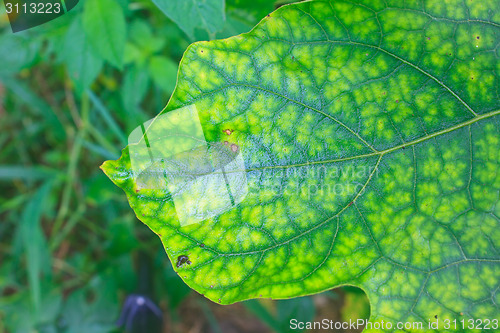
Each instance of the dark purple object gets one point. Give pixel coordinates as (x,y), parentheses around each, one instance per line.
(139,311)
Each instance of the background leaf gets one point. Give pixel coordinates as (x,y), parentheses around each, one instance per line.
(35,246)
(83,65)
(164,72)
(104,25)
(192,14)
(17,51)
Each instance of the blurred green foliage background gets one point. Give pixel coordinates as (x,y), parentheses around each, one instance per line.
(71,248)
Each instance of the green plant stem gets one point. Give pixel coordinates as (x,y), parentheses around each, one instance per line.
(71,173)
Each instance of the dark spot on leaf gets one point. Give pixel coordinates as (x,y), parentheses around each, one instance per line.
(397,101)
(350,203)
(202,245)
(428,38)
(181,260)
(472,78)
(436,316)
(228,131)
(477,37)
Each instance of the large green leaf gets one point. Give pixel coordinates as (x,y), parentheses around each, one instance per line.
(369,133)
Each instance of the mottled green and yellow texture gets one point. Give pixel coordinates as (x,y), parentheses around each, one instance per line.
(371,136)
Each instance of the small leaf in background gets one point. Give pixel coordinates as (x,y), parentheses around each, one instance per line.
(142,36)
(35,244)
(133,89)
(164,72)
(208,15)
(82,63)
(104,26)
(133,54)
(18,51)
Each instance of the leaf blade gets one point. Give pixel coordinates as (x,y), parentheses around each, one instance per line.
(380,153)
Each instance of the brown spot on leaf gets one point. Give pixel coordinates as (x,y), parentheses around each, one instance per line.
(181,260)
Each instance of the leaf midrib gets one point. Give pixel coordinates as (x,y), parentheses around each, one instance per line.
(389,150)
(374,153)
(337,214)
